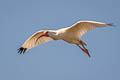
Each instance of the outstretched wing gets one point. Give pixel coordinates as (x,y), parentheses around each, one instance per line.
(81,27)
(34,41)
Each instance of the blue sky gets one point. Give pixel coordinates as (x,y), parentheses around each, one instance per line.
(58,60)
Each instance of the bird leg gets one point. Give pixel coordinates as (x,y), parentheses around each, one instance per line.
(82,43)
(84,49)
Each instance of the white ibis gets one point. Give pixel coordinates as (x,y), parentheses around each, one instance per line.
(70,34)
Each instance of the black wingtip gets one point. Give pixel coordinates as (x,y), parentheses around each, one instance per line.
(111,24)
(22,50)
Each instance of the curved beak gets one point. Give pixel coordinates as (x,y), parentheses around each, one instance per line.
(44,34)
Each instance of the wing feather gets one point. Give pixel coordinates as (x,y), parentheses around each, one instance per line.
(31,42)
(81,27)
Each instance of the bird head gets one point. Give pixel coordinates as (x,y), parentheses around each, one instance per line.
(48,33)
(52,34)
(45,33)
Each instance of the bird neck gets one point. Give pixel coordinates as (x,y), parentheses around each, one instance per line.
(54,35)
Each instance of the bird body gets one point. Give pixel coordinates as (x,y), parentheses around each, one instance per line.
(70,34)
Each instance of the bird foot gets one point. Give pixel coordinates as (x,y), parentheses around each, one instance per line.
(86,51)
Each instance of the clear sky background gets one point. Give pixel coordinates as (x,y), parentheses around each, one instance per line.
(58,60)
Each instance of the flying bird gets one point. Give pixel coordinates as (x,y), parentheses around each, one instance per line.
(70,34)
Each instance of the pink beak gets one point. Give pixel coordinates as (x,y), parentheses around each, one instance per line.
(44,34)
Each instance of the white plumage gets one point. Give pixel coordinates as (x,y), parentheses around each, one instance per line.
(70,34)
